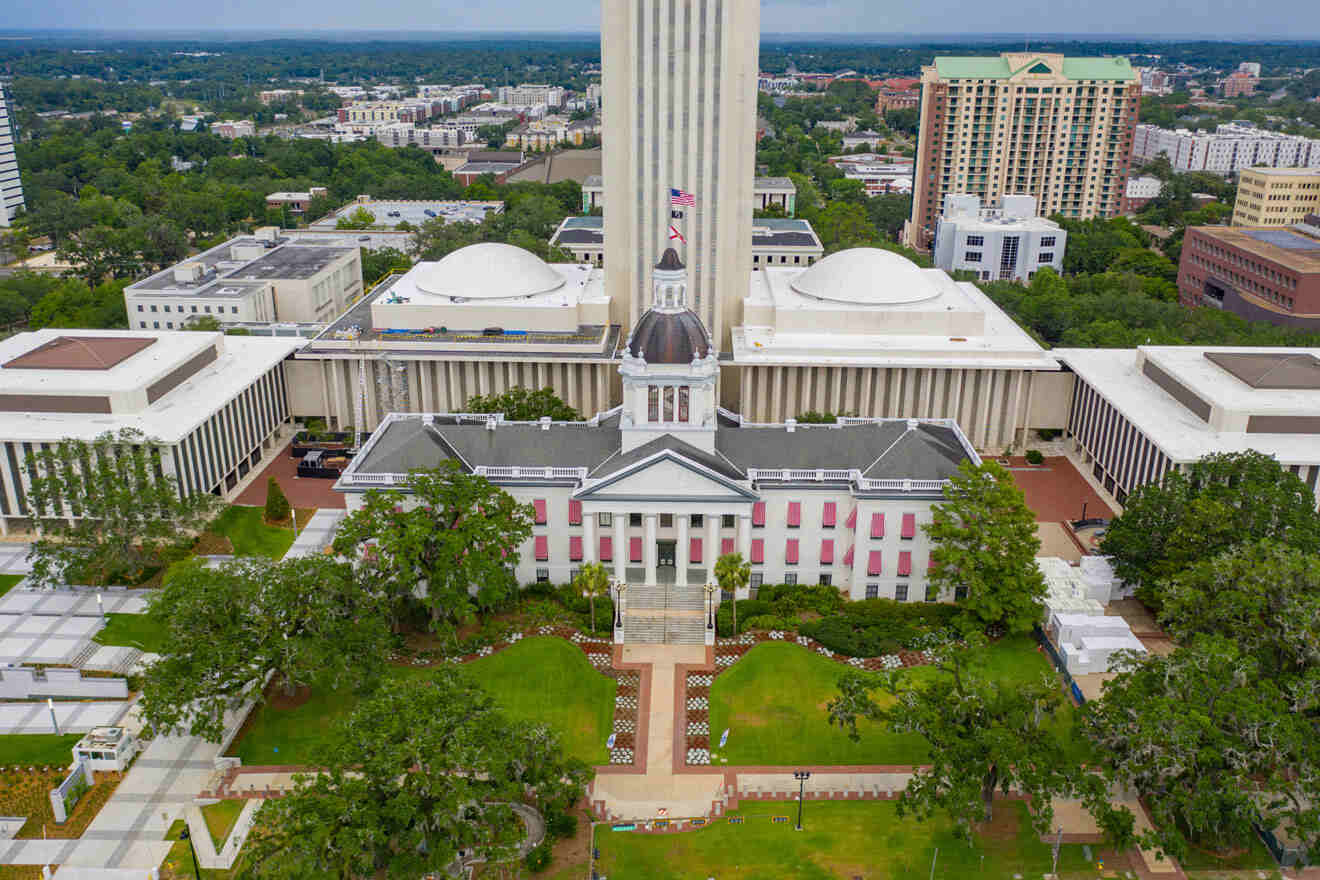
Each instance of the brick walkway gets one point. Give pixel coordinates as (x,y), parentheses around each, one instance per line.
(1056,490)
(301,491)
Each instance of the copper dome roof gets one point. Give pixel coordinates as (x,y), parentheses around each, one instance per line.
(669,337)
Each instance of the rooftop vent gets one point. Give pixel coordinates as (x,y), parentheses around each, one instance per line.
(186,273)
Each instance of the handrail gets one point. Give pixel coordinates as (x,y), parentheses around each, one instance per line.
(821,475)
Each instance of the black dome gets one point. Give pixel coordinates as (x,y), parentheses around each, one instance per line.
(669,337)
(669,261)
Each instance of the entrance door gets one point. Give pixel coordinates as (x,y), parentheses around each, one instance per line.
(666,554)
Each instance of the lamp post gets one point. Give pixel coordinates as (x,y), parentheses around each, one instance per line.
(50,704)
(184,835)
(710,606)
(801,776)
(619,587)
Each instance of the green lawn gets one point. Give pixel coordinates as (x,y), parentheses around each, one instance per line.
(37,749)
(551,680)
(246,529)
(132,630)
(8,581)
(773,704)
(546,679)
(839,839)
(1254,856)
(220,819)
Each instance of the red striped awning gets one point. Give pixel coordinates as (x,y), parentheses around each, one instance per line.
(827,551)
(726,546)
(542,546)
(848,557)
(874,565)
(758,513)
(852,519)
(539,504)
(794,514)
(827,514)
(694,550)
(909,529)
(575,512)
(791,551)
(758,550)
(877,525)
(904,563)
(634,549)
(575,548)
(606,548)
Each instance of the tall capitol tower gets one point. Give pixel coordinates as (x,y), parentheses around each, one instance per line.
(679,113)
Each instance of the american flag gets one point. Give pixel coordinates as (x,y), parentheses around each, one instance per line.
(681,199)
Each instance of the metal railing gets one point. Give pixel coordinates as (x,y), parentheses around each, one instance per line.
(854,476)
(530,473)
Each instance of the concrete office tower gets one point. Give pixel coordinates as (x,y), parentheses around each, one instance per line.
(1033,123)
(680,92)
(11,189)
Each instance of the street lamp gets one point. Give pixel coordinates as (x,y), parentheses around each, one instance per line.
(184,835)
(801,776)
(619,587)
(710,606)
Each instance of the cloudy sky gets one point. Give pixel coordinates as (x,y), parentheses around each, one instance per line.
(1223,19)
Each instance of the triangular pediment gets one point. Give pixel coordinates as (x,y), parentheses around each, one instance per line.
(665,476)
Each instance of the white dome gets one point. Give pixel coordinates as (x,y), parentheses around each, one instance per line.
(489,270)
(866,276)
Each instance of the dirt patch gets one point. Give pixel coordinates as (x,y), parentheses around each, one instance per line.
(280,701)
(1003,824)
(211,544)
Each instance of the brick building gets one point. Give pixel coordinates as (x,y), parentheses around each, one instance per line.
(1261,274)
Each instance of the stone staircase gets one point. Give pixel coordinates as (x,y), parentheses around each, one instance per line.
(685,631)
(657,614)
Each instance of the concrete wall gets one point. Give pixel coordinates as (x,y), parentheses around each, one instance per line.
(24,683)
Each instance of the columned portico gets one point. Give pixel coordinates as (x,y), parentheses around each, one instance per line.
(684,548)
(620,546)
(712,548)
(649,548)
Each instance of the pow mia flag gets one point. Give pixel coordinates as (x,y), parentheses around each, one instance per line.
(675,215)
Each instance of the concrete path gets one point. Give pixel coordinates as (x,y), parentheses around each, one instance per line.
(13,558)
(638,796)
(73,716)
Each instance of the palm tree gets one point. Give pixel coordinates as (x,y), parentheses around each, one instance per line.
(593,580)
(733,574)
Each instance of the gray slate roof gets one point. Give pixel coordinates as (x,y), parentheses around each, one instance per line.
(668,442)
(886,450)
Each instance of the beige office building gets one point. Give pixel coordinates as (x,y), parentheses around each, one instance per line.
(680,82)
(1276,196)
(1025,123)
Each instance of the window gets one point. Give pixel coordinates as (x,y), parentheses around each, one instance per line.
(877,525)
(155,325)
(828,514)
(900,592)
(874,563)
(669,404)
(543,575)
(1047,241)
(194,310)
(142,324)
(605,520)
(873,591)
(824,580)
(166,308)
(696,520)
(573,574)
(542,547)
(794,514)
(153,308)
(606,549)
(959,593)
(909,528)
(574,512)
(634,519)
(791,552)
(169,325)
(758,551)
(539,506)
(972,257)
(140,309)
(208,309)
(932,594)
(758,515)
(790,578)
(1047,257)
(755,581)
(653,403)
(575,548)
(684,403)
(233,310)
(666,520)
(728,521)
(975,240)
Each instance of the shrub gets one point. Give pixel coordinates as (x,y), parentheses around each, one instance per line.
(561,825)
(538,859)
(1048,433)
(1035,456)
(277,504)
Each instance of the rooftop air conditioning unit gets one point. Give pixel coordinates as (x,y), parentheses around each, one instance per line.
(186,273)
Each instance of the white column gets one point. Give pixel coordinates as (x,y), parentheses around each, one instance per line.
(681,559)
(648,547)
(620,545)
(588,537)
(745,536)
(712,548)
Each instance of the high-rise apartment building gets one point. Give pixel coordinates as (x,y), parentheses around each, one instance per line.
(1028,123)
(680,97)
(1276,196)
(11,188)
(1230,147)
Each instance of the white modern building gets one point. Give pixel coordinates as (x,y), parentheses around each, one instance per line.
(776,241)
(1138,413)
(681,97)
(658,488)
(867,332)
(262,277)
(433,138)
(531,93)
(998,244)
(11,187)
(1229,148)
(215,403)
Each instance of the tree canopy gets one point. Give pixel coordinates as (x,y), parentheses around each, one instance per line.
(422,769)
(524,405)
(984,539)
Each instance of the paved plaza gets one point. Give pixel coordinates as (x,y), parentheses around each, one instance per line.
(73,716)
(56,626)
(317,534)
(13,559)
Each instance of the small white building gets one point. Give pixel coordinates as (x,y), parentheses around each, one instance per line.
(999,244)
(107,749)
(263,277)
(660,487)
